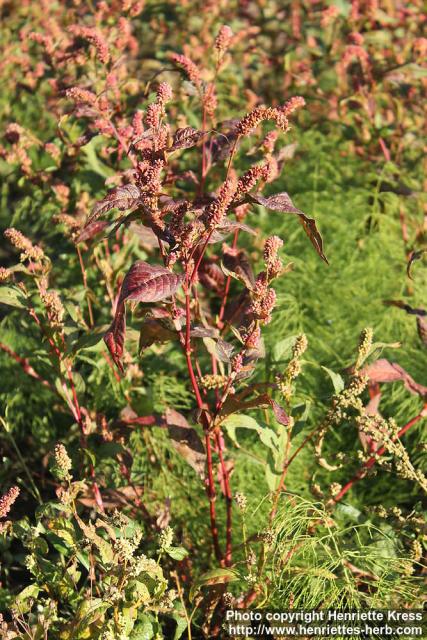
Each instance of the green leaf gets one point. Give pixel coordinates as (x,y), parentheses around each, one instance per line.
(282,350)
(215,576)
(337,380)
(239,421)
(12,296)
(22,602)
(144,629)
(177,553)
(90,611)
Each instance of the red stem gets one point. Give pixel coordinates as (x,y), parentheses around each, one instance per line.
(210,486)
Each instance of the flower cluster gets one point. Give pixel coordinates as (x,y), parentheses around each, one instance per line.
(223,39)
(7,500)
(192,70)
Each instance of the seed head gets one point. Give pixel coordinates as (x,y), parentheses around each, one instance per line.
(166,538)
(63,464)
(21,242)
(4,274)
(93,36)
(241,501)
(294,103)
(249,180)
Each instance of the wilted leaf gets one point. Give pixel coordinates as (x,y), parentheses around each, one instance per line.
(211,276)
(121,198)
(213,577)
(156,330)
(224,350)
(91,230)
(415,255)
(236,264)
(283,203)
(384,371)
(186,138)
(186,441)
(228,227)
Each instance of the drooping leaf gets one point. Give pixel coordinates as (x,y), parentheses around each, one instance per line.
(121,198)
(227,227)
(213,577)
(337,381)
(415,255)
(186,441)
(224,350)
(211,276)
(186,138)
(283,203)
(91,230)
(156,330)
(384,371)
(237,265)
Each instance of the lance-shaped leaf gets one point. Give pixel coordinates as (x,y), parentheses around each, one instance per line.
(143,283)
(283,203)
(186,138)
(121,198)
(384,371)
(91,230)
(237,265)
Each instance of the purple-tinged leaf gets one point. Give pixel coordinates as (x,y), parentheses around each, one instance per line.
(186,441)
(384,371)
(279,413)
(211,276)
(283,203)
(92,230)
(224,350)
(149,283)
(121,198)
(186,138)
(228,227)
(204,332)
(115,336)
(143,283)
(237,263)
(156,331)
